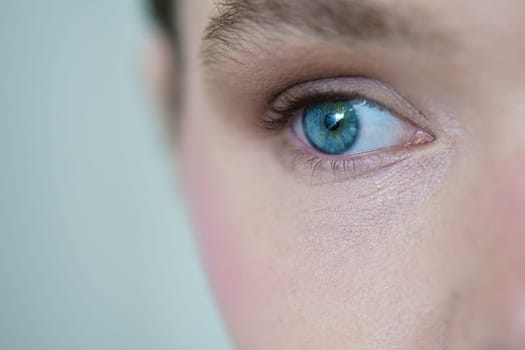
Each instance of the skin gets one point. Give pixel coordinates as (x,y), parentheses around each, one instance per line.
(423,250)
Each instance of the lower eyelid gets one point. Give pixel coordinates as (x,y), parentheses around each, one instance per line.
(320,168)
(321,171)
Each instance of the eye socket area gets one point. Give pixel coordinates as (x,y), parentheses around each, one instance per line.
(345,127)
(354,127)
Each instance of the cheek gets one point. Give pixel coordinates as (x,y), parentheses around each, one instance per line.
(214,231)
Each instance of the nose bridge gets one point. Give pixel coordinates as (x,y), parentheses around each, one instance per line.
(510,196)
(504,212)
(501,151)
(500,114)
(491,312)
(506,278)
(497,303)
(506,158)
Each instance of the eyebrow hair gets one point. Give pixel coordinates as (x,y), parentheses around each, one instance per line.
(238,21)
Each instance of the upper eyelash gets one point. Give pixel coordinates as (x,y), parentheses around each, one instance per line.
(290,103)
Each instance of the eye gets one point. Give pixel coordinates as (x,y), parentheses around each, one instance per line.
(346,126)
(355,126)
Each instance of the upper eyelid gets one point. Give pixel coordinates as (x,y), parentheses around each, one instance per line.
(348,88)
(363,85)
(291,104)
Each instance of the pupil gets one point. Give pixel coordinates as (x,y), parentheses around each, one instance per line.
(332,121)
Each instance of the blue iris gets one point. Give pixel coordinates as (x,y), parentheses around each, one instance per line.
(332,127)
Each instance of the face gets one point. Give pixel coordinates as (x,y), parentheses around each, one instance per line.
(356,170)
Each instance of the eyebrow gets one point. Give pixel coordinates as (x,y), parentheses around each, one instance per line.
(238,22)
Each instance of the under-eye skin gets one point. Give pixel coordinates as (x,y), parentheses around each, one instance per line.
(343,123)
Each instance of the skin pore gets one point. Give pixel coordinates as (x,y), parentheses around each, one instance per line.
(417,246)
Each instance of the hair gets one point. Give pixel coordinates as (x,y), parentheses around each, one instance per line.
(163,12)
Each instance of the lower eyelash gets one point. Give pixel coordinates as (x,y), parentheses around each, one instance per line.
(338,170)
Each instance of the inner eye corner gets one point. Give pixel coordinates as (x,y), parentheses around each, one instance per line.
(422,137)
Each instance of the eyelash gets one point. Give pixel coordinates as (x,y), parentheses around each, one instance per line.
(280,115)
(354,166)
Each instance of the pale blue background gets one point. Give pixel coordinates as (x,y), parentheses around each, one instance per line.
(95,251)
